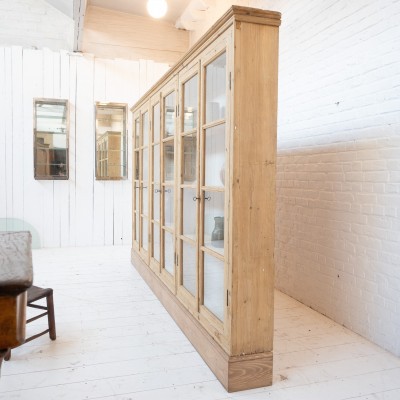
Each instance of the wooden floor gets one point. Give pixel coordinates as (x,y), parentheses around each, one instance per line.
(115,341)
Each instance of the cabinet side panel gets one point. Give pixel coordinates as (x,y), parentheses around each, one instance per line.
(253,187)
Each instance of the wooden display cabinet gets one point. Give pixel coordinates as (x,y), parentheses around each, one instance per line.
(204,194)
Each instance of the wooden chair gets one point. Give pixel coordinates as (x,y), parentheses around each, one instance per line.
(34,294)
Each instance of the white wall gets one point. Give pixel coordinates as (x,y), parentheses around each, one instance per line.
(36,24)
(338,172)
(80,211)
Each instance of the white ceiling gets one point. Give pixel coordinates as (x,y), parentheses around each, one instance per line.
(138,7)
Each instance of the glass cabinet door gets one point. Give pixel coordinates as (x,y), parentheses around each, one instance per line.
(167,182)
(213,162)
(156,182)
(136,179)
(144,182)
(188,185)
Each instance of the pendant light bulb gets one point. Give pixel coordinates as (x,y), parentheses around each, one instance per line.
(157,8)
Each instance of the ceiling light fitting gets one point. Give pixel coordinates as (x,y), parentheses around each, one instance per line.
(157,8)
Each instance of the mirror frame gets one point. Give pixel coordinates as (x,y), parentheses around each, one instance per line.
(124,135)
(55,102)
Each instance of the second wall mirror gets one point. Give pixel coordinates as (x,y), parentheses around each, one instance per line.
(111,141)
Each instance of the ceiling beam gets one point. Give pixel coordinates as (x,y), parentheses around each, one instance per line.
(193,13)
(65,6)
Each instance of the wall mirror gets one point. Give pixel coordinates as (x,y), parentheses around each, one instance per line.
(50,138)
(111,141)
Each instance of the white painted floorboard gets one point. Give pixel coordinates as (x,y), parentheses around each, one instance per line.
(116,341)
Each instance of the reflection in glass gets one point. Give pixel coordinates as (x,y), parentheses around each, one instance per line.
(169,206)
(189,216)
(156,202)
(189,158)
(51,116)
(145,200)
(189,267)
(145,235)
(137,196)
(215,156)
(156,242)
(145,165)
(156,163)
(156,122)
(137,133)
(137,227)
(51,139)
(190,96)
(169,115)
(216,89)
(214,221)
(111,141)
(214,285)
(168,161)
(137,165)
(169,251)
(145,128)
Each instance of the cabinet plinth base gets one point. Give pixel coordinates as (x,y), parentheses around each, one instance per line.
(234,372)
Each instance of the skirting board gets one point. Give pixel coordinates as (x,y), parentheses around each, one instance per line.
(234,372)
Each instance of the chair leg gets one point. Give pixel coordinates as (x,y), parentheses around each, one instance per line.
(51,317)
(7,356)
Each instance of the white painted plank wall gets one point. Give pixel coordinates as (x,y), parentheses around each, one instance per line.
(81,211)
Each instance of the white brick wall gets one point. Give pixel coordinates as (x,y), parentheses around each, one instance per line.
(338,172)
(34,23)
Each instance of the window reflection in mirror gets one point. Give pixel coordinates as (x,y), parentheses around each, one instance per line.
(51,139)
(111,141)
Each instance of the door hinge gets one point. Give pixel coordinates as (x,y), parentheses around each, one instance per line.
(230,80)
(227,298)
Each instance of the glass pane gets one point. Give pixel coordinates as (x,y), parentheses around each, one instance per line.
(169,251)
(216,89)
(145,200)
(51,162)
(51,117)
(189,215)
(145,235)
(145,127)
(156,123)
(51,141)
(169,115)
(189,158)
(214,221)
(215,156)
(189,267)
(156,242)
(156,202)
(169,206)
(168,161)
(137,132)
(214,298)
(136,227)
(137,165)
(156,163)
(137,196)
(190,96)
(145,165)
